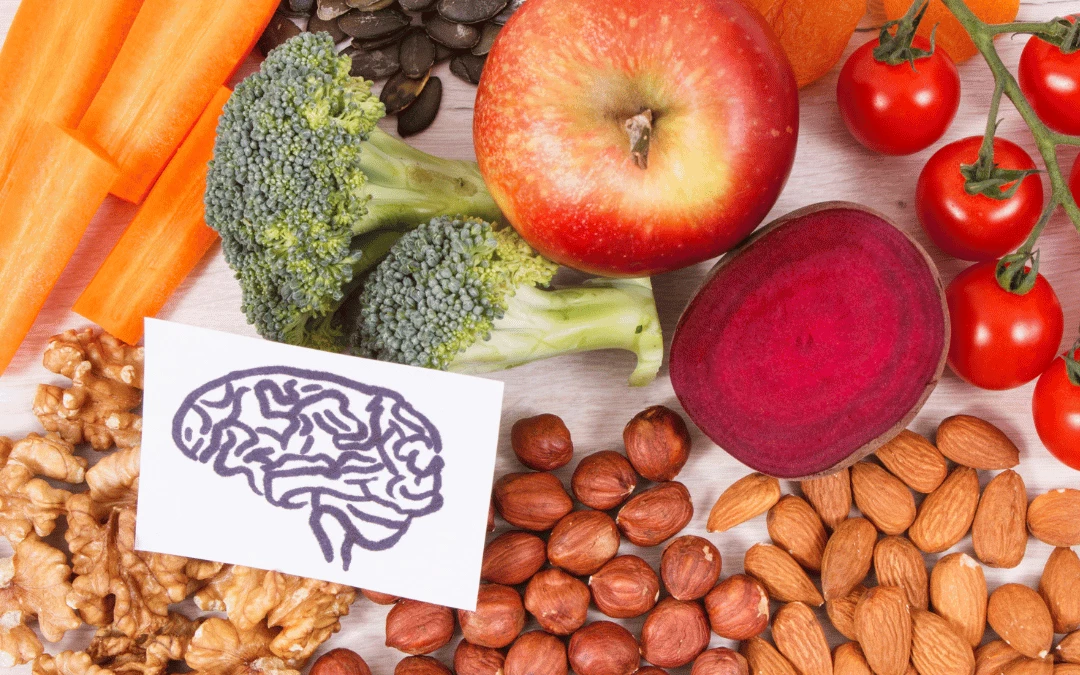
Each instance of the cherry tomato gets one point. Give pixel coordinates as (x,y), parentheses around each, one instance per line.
(1051,82)
(1001,340)
(898,110)
(976,227)
(1056,406)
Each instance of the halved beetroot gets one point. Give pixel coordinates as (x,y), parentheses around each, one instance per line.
(814,343)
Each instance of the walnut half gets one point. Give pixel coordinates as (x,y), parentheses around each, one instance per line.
(33,584)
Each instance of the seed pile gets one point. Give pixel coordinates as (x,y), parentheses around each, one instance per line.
(400,41)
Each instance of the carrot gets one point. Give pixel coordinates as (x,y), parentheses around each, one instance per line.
(162,244)
(177,55)
(57,183)
(55,57)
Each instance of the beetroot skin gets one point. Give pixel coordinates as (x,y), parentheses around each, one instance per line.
(814,343)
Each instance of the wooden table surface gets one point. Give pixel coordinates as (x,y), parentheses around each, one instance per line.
(589,391)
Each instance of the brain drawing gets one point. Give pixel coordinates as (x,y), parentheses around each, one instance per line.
(360,458)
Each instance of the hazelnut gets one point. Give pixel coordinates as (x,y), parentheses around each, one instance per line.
(512,558)
(656,514)
(738,607)
(542,442)
(690,566)
(559,602)
(379,598)
(498,619)
(420,665)
(491,516)
(625,587)
(583,541)
(536,653)
(603,480)
(470,659)
(416,627)
(340,661)
(532,501)
(720,661)
(675,632)
(657,443)
(651,670)
(603,648)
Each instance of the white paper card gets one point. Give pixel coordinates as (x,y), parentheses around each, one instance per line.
(349,470)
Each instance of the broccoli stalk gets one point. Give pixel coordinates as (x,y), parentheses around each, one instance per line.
(460,295)
(601,314)
(307,193)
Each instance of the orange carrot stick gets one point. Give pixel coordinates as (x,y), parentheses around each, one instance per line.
(55,57)
(177,55)
(57,183)
(162,244)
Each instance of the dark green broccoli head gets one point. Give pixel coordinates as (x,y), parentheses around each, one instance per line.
(441,289)
(286,185)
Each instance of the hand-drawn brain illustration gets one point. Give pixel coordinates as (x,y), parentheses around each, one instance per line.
(361,458)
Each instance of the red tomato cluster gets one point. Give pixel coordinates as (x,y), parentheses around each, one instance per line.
(1000,340)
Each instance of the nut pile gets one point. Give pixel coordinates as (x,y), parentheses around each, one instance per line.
(274,623)
(578,566)
(913,619)
(400,41)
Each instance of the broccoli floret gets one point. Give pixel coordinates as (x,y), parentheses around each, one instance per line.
(460,295)
(306,192)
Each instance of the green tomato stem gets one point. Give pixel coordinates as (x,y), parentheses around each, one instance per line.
(1047,140)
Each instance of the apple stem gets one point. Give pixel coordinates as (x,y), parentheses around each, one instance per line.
(639,129)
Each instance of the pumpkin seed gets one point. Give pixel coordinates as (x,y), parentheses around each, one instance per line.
(442,53)
(280,29)
(488,33)
(400,91)
(470,11)
(375,64)
(296,8)
(453,35)
(422,112)
(417,5)
(417,53)
(511,7)
(369,5)
(468,67)
(317,25)
(331,9)
(380,42)
(370,25)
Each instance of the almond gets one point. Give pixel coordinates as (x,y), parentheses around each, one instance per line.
(976,443)
(1060,588)
(764,659)
(936,648)
(830,496)
(914,460)
(1054,517)
(1026,666)
(782,576)
(898,563)
(799,637)
(958,593)
(883,626)
(1068,649)
(945,515)
(841,611)
(847,557)
(993,657)
(795,526)
(882,497)
(848,659)
(746,498)
(1020,617)
(999,532)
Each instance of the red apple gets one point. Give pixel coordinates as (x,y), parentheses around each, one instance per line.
(627,138)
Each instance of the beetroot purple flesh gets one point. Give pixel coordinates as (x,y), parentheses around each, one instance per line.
(812,344)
